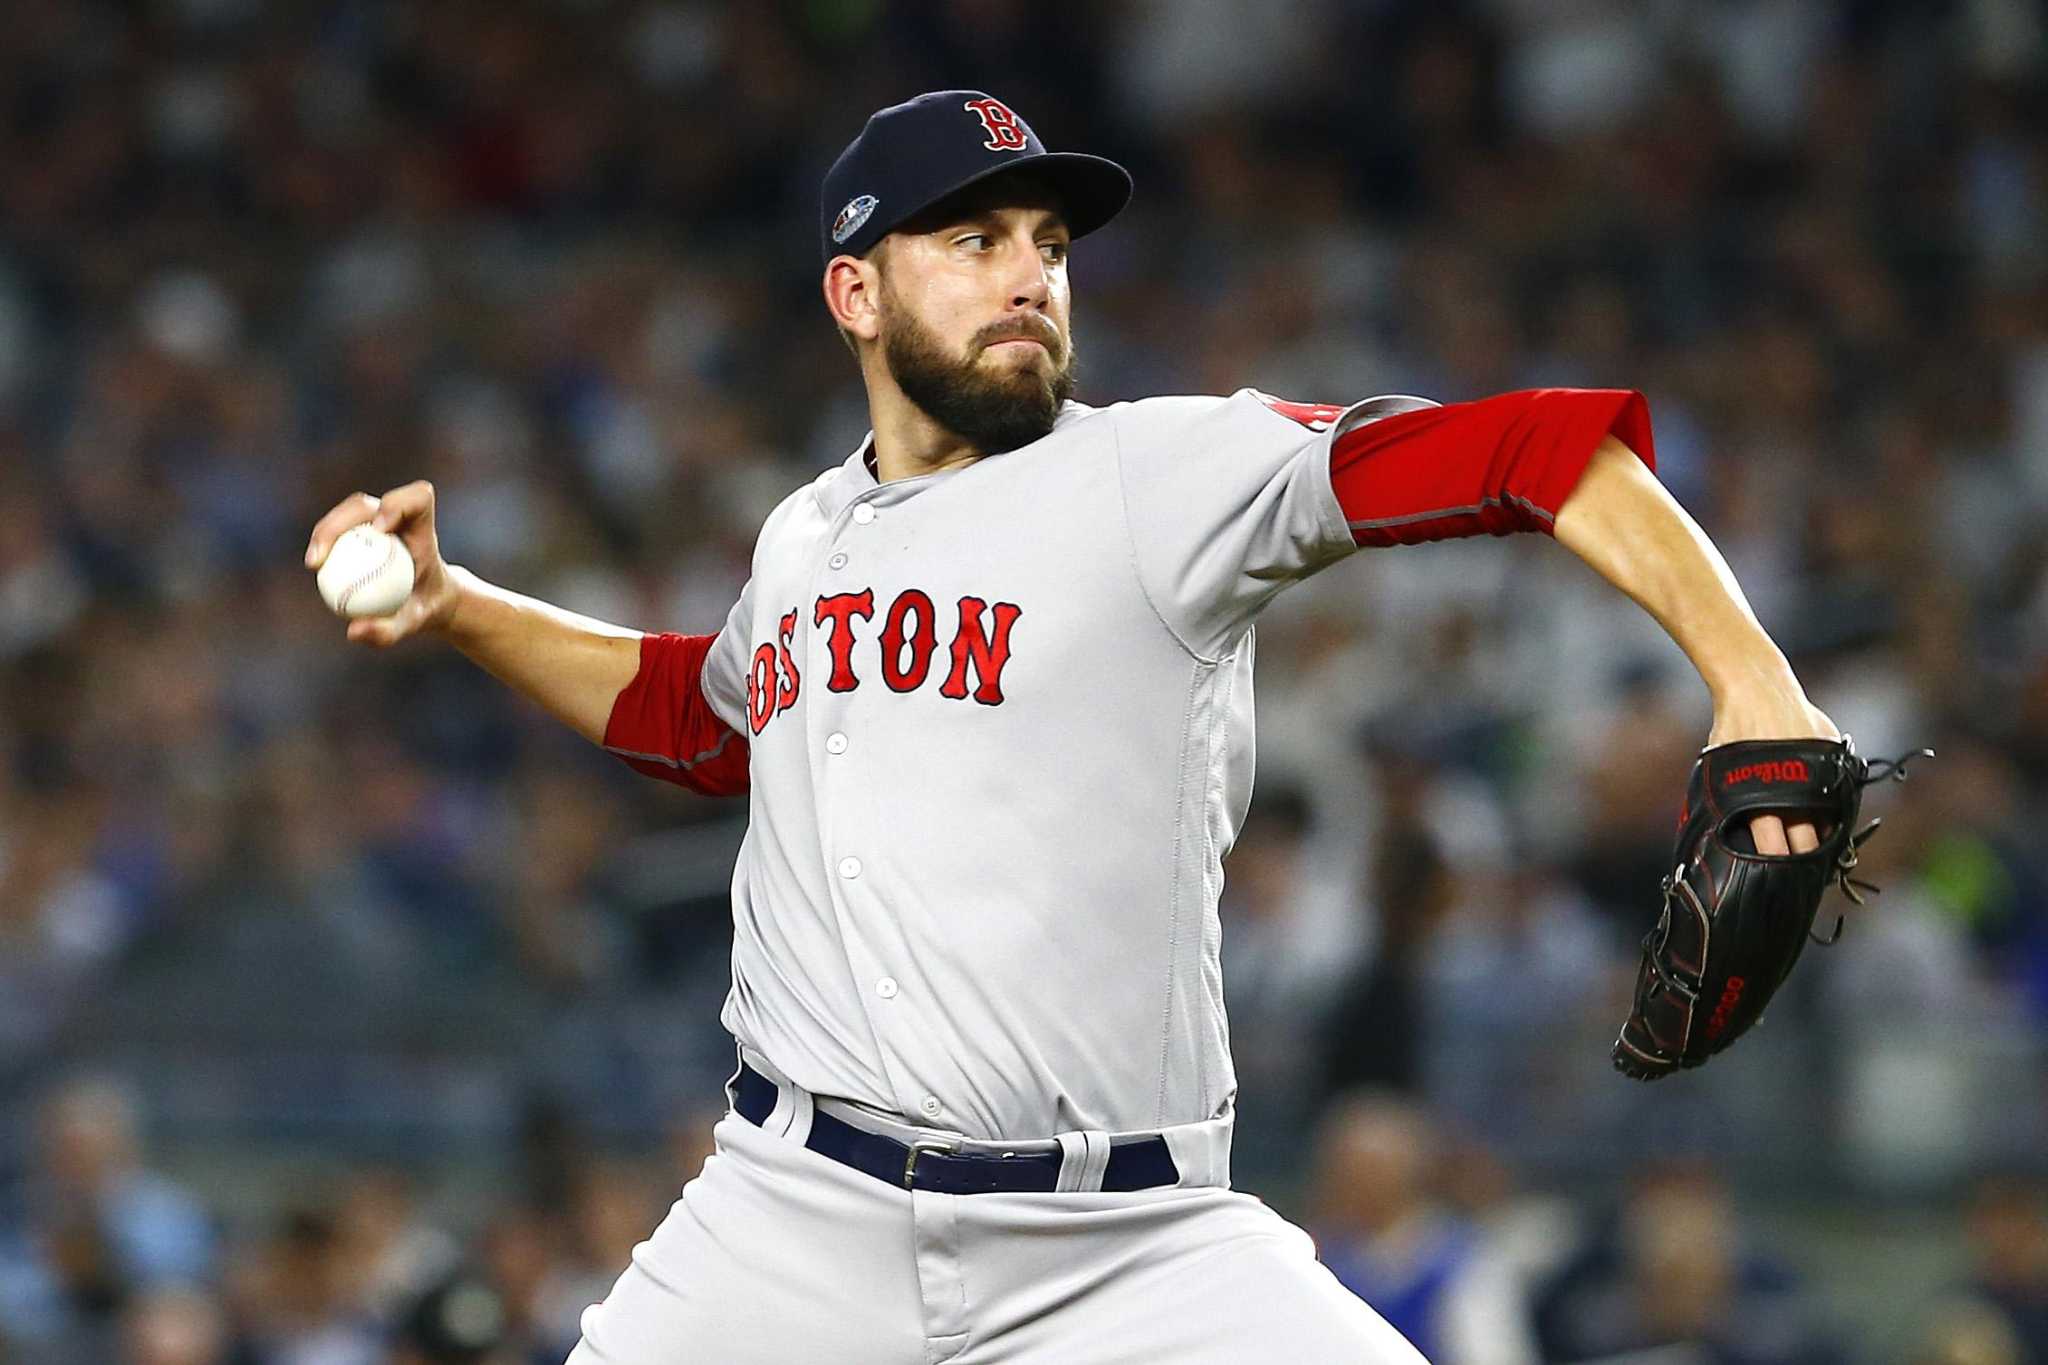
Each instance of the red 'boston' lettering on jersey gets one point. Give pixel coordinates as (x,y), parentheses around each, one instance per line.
(791,680)
(990,651)
(900,676)
(907,642)
(840,609)
(1314,416)
(761,688)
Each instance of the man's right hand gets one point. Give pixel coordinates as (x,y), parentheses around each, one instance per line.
(408,513)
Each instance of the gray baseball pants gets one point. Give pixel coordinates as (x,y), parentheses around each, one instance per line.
(776,1254)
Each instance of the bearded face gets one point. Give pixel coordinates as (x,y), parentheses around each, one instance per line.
(998,393)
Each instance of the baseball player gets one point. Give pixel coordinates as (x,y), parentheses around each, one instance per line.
(988,694)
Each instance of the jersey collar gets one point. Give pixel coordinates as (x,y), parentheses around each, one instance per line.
(853,479)
(848,482)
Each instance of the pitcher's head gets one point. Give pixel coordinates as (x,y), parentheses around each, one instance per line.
(946,260)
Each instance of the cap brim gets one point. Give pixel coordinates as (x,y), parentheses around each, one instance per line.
(1092,189)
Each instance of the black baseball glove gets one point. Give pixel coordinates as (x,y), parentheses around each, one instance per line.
(1734,919)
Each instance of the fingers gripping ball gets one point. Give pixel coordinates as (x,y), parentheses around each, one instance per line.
(367,573)
(1735,919)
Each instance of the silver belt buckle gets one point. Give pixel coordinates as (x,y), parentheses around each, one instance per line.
(918,1145)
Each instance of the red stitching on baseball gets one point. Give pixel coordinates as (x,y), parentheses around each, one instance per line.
(341,599)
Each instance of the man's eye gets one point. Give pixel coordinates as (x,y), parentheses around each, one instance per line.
(1054,251)
(977,240)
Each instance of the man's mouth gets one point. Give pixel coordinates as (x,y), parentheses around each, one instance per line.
(1021,332)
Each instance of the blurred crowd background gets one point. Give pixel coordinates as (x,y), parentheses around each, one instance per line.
(351,1012)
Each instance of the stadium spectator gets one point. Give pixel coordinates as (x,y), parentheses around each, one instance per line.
(174,1327)
(1675,1270)
(297,1305)
(2007,1223)
(1373,1036)
(101,1226)
(1386,1235)
(392,1255)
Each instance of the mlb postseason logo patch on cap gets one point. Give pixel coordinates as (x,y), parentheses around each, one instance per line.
(857,211)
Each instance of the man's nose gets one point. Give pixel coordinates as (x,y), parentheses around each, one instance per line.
(1031,283)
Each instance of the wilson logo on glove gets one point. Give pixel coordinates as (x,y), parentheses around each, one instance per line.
(1784,770)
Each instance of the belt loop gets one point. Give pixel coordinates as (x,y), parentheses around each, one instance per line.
(802,1106)
(1073,1160)
(1201,1151)
(1084,1156)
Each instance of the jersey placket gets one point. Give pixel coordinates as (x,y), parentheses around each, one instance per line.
(845,777)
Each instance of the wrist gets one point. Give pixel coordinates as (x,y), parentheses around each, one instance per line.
(457,620)
(1747,666)
(1766,702)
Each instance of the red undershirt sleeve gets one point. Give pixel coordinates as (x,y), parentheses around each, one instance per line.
(1490,467)
(662,724)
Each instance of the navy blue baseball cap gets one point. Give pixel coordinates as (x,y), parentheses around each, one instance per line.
(912,155)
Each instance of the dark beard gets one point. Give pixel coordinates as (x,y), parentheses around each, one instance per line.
(992,413)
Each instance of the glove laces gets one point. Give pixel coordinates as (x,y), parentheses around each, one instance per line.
(1893,770)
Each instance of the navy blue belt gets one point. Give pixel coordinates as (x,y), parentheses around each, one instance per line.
(1141,1165)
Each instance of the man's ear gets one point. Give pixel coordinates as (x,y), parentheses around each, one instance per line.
(852,294)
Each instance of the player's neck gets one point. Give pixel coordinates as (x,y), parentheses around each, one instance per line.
(908,443)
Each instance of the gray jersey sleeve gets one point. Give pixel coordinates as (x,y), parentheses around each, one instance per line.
(725,666)
(1228,501)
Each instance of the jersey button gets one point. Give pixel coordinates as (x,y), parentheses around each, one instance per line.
(864,514)
(929,1107)
(837,561)
(849,868)
(886,988)
(835,743)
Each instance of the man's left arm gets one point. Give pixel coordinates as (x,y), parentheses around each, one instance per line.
(1633,533)
(1577,463)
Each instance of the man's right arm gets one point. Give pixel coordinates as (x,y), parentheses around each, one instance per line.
(641,697)
(573,666)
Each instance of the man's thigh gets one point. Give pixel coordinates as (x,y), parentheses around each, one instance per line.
(773,1254)
(1196,1277)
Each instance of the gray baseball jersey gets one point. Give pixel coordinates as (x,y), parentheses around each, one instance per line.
(1001,729)
(996,724)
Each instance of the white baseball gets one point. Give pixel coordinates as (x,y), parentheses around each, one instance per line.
(367,573)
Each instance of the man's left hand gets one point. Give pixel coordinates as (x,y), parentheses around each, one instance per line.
(1776,712)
